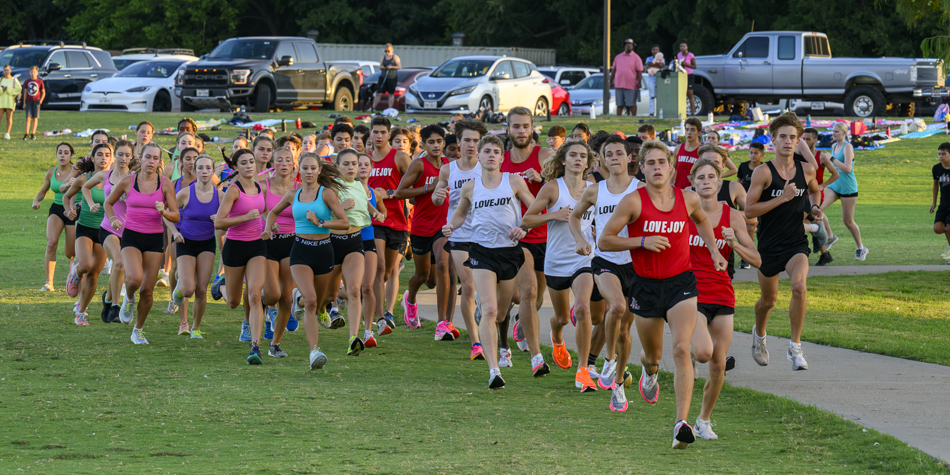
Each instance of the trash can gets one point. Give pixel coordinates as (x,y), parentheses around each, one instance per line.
(671,94)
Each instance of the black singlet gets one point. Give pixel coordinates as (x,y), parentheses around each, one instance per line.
(781,228)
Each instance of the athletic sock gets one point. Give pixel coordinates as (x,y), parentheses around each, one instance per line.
(476,344)
(494,371)
(793,345)
(367,335)
(536,360)
(814,228)
(591,359)
(334,309)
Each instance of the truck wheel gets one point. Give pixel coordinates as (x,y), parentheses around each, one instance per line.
(741,108)
(343,100)
(186,107)
(864,101)
(703,100)
(262,99)
(907,109)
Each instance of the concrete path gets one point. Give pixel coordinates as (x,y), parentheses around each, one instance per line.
(751,275)
(903,398)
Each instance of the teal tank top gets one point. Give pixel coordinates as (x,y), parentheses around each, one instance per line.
(847,183)
(303,225)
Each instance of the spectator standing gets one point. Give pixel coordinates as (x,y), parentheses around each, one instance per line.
(388,65)
(688,61)
(655,62)
(9,91)
(32,98)
(625,76)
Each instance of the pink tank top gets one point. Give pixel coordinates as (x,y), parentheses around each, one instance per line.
(285,220)
(118,208)
(141,215)
(248,230)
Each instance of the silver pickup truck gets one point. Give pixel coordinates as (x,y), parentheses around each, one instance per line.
(769,65)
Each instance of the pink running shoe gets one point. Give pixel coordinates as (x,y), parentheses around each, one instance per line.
(477,353)
(81,320)
(410,312)
(72,282)
(442,332)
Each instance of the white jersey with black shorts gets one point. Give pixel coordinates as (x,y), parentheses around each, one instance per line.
(459,241)
(617,263)
(562,264)
(494,212)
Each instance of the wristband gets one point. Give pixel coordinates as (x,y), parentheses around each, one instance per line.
(642,240)
(426,189)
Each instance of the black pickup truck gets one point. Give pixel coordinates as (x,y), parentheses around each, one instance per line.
(265,73)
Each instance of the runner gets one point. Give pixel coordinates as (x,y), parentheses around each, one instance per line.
(567,271)
(452,177)
(279,283)
(292,142)
(195,240)
(495,258)
(389,164)
(143,135)
(941,174)
(111,238)
(822,162)
(580,132)
(90,256)
(717,299)
(525,160)
(777,198)
(184,141)
(452,151)
(360,136)
(730,192)
(418,183)
(309,143)
(311,260)
(687,152)
(655,218)
(244,252)
(369,256)
(613,271)
(186,170)
(149,198)
(556,137)
(341,136)
(845,187)
(57,223)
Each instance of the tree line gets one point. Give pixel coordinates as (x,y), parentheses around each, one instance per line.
(573,27)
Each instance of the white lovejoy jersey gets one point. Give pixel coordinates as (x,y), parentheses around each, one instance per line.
(457,178)
(561,258)
(603,210)
(494,211)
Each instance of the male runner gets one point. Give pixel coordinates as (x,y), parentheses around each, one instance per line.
(777,198)
(655,218)
(686,153)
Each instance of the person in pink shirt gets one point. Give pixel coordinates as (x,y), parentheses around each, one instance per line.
(625,76)
(689,62)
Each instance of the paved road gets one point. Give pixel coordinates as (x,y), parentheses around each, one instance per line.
(903,398)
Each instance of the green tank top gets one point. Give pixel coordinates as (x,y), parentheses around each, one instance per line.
(86,217)
(174,163)
(54,185)
(357,215)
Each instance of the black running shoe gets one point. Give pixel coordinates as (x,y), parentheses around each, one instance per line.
(825,259)
(496,382)
(114,314)
(106,306)
(730,362)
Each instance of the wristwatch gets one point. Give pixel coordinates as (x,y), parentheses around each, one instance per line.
(320,222)
(391,193)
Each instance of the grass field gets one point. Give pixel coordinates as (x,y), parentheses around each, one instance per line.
(78,400)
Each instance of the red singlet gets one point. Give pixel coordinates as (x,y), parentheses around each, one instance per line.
(385,175)
(427,218)
(715,287)
(684,164)
(540,233)
(673,260)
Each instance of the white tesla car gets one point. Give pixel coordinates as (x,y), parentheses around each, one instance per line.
(147,86)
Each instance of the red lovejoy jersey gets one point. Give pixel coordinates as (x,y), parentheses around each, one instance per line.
(684,164)
(385,175)
(673,260)
(427,218)
(715,287)
(540,233)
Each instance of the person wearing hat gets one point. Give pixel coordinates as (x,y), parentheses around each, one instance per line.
(625,76)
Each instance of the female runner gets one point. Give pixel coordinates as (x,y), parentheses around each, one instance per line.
(369,256)
(57,179)
(186,172)
(279,284)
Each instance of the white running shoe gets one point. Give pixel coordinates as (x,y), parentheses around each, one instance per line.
(80,319)
(704,430)
(297,309)
(946,254)
(759,352)
(317,359)
(592,371)
(171,308)
(606,377)
(107,269)
(6,136)
(47,287)
(177,297)
(523,345)
(618,399)
(122,293)
(831,242)
(504,358)
(797,357)
(138,337)
(861,254)
(125,312)
(163,279)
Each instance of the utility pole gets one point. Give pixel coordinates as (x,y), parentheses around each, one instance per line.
(606,57)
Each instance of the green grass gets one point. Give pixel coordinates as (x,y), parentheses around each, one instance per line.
(902,314)
(85,399)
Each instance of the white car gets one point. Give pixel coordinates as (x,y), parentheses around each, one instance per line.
(568,75)
(470,83)
(135,55)
(147,86)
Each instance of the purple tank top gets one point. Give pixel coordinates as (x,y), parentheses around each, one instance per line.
(196,223)
(118,208)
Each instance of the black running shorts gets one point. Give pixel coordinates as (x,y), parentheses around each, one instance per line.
(503,261)
(653,298)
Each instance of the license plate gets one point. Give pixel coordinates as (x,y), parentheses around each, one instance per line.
(202,93)
(105,100)
(430,105)
(817,106)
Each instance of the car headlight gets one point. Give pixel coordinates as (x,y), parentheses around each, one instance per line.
(464,90)
(87,89)
(139,89)
(239,76)
(413,91)
(180,78)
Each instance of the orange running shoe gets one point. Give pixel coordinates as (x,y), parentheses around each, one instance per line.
(455,331)
(561,357)
(370,342)
(583,381)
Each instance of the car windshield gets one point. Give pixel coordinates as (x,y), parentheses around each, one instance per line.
(591,82)
(244,49)
(22,58)
(463,68)
(121,64)
(150,69)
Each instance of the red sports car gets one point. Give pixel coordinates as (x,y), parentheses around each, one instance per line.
(560,98)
